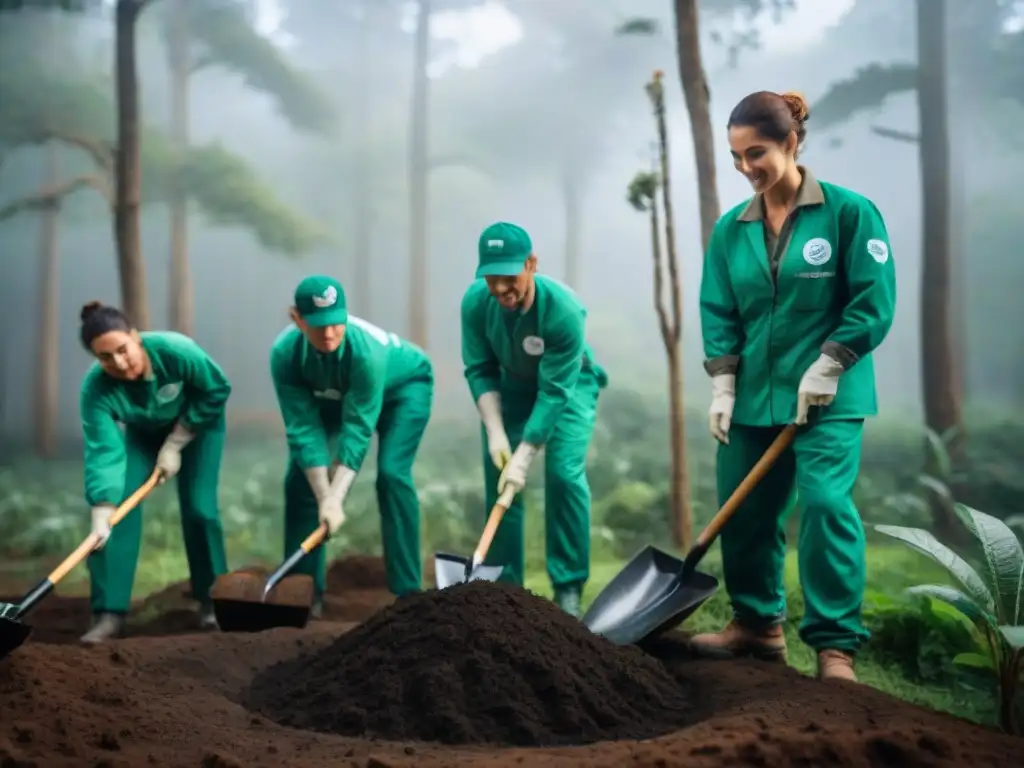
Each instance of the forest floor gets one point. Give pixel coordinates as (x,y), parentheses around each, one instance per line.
(424,682)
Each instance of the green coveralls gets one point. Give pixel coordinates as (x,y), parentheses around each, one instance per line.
(331,405)
(769,307)
(545,371)
(186,386)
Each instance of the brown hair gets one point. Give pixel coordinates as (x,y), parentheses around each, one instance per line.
(773,115)
(99,318)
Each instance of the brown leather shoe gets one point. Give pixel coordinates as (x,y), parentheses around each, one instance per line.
(107,626)
(836,665)
(768,644)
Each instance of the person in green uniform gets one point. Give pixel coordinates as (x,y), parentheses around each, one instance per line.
(798,290)
(533,378)
(339,378)
(170,396)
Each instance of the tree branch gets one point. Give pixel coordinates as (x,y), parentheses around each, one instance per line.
(101,154)
(202,62)
(906,137)
(53,195)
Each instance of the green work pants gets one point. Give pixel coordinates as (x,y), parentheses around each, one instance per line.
(566,491)
(112,568)
(821,467)
(400,427)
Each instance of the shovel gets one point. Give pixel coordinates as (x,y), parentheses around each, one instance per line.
(455,569)
(13,631)
(246,602)
(657,591)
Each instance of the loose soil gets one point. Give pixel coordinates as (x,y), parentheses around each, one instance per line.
(477,663)
(185,701)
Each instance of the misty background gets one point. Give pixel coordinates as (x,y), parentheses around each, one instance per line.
(536,115)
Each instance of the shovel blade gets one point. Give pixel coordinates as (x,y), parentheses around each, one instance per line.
(13,633)
(239,606)
(647,598)
(451,569)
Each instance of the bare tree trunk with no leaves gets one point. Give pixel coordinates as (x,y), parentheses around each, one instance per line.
(672,334)
(698,105)
(47,395)
(418,192)
(940,374)
(128,164)
(180,299)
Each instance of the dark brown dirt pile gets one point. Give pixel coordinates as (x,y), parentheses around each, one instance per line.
(474,664)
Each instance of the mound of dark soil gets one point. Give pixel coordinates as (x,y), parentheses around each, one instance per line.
(356,572)
(474,664)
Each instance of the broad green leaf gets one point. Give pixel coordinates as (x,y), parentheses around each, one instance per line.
(975,660)
(1004,557)
(936,486)
(956,599)
(927,544)
(1015,521)
(1014,636)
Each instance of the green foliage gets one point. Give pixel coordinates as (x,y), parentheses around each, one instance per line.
(868,89)
(993,603)
(642,189)
(225,37)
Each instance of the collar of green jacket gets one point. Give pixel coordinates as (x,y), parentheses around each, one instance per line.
(809,194)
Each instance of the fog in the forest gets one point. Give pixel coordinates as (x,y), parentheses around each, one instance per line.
(537,115)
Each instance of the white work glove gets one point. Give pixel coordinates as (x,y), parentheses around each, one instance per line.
(498,446)
(818,386)
(168,460)
(514,474)
(723,400)
(330,494)
(101,514)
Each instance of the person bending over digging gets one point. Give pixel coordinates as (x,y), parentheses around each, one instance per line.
(533,378)
(338,378)
(798,290)
(170,395)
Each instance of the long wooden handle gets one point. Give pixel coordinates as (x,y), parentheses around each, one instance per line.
(315,539)
(755,476)
(493,521)
(90,542)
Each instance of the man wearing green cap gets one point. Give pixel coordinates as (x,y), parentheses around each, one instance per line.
(535,383)
(339,378)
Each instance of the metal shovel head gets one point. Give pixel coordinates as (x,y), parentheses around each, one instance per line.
(451,569)
(239,606)
(647,598)
(13,633)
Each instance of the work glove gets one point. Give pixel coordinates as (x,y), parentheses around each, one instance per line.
(723,400)
(101,514)
(330,493)
(514,474)
(498,446)
(818,386)
(168,460)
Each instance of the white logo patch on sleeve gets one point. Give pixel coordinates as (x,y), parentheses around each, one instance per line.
(879,250)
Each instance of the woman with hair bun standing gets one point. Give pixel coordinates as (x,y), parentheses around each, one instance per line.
(798,289)
(170,396)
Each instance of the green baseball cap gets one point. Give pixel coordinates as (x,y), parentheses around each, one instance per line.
(320,300)
(503,250)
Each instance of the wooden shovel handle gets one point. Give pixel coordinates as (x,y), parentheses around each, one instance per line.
(90,542)
(756,475)
(315,539)
(493,521)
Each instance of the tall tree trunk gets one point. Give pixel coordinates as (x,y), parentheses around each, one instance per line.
(940,376)
(128,172)
(47,394)
(362,178)
(698,105)
(672,334)
(180,299)
(419,319)
(571,199)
